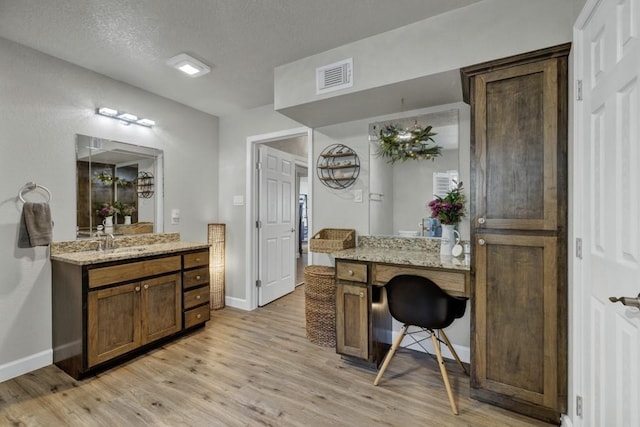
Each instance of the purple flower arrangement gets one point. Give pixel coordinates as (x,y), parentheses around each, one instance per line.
(450,208)
(106,210)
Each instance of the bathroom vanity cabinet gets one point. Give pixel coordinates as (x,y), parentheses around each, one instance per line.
(353,313)
(106,312)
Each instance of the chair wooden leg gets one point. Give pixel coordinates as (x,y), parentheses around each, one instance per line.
(445,376)
(390,354)
(453,351)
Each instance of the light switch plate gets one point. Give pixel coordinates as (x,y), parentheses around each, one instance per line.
(357,196)
(175,216)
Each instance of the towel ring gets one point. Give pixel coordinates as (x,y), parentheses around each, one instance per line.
(30,186)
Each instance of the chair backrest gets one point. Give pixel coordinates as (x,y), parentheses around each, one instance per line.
(416,300)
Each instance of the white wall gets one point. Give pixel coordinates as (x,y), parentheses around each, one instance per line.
(435,47)
(234,131)
(44,103)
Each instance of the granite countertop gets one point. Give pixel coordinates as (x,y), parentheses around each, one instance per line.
(403,251)
(83,252)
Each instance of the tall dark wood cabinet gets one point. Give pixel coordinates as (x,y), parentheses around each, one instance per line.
(519,231)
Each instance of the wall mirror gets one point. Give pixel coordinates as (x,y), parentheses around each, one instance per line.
(399,192)
(119,187)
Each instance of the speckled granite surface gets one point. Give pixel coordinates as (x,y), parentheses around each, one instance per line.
(422,252)
(405,243)
(83,252)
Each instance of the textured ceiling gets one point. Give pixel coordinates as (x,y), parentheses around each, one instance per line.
(242,40)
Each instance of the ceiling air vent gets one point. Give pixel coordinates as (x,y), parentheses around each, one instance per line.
(334,76)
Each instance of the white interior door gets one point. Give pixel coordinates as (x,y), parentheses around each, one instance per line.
(608,209)
(276,234)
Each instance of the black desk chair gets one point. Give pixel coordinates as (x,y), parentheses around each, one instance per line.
(417,301)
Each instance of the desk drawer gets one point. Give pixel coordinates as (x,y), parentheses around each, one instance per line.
(453,283)
(195,277)
(351,271)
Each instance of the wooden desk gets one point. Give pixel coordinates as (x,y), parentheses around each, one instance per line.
(363,322)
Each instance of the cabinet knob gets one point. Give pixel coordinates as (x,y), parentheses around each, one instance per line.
(137,288)
(197,259)
(361,294)
(198,297)
(199,316)
(350,272)
(481,220)
(198,277)
(481,242)
(146,286)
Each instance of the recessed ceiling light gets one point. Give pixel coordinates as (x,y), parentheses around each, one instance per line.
(188,65)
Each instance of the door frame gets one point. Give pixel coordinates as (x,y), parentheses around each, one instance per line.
(577,228)
(251,208)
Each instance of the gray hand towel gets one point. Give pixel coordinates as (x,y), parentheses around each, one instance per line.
(35,225)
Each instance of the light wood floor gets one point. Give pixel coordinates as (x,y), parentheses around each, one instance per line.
(249,369)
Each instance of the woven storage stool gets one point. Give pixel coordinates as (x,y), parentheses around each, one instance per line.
(320,304)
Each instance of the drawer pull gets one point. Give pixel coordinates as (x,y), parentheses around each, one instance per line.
(198,297)
(481,242)
(199,316)
(361,294)
(481,220)
(137,288)
(198,259)
(146,286)
(350,272)
(198,277)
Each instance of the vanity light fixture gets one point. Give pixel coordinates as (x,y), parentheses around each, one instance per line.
(125,118)
(188,65)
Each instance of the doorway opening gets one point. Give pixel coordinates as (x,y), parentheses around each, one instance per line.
(302,219)
(278,219)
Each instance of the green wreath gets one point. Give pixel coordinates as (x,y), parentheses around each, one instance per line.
(415,143)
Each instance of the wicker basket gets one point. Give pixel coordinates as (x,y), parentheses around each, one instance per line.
(330,240)
(320,304)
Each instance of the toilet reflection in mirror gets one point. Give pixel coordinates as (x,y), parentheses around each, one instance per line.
(119,184)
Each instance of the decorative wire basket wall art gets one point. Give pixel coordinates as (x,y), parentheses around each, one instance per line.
(144,185)
(338,166)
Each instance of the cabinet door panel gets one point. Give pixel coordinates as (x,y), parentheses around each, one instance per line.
(516,314)
(516,147)
(162,307)
(352,325)
(113,321)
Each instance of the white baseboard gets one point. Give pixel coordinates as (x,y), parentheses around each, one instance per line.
(566,421)
(242,304)
(25,365)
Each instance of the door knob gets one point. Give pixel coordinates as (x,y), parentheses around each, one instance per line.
(628,301)
(481,220)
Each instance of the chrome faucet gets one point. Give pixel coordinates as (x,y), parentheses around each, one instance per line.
(109,241)
(99,234)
